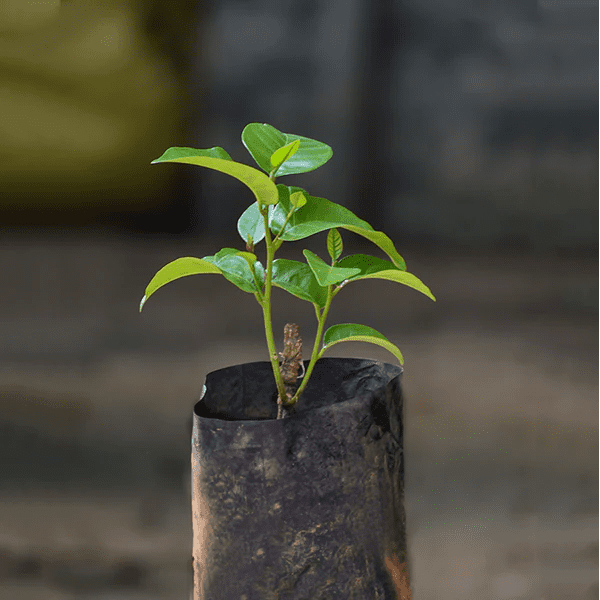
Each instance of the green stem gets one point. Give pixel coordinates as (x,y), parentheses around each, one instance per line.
(284,224)
(266,306)
(315,351)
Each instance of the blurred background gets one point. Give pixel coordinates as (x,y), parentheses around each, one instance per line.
(466,130)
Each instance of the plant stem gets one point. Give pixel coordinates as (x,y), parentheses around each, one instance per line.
(266,306)
(315,351)
(283,226)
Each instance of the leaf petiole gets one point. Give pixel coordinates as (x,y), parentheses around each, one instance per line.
(321,318)
(276,239)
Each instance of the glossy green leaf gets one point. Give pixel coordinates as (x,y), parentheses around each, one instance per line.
(334,244)
(252,223)
(319,214)
(298,199)
(381,240)
(237,267)
(371,267)
(298,279)
(287,197)
(249,256)
(259,272)
(182,267)
(262,140)
(284,153)
(367,264)
(351,332)
(326,274)
(215,158)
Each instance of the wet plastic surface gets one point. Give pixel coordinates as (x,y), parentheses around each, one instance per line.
(310,506)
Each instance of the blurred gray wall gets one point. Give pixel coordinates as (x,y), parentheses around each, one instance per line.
(452,123)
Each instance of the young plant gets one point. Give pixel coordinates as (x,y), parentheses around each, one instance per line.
(284,214)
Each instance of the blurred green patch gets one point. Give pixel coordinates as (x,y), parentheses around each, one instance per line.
(87,100)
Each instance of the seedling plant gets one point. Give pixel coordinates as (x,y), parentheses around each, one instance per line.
(281,214)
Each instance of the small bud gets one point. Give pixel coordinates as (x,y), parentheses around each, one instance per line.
(250,244)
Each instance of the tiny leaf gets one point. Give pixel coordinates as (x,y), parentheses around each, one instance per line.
(298,199)
(326,274)
(287,197)
(334,244)
(351,332)
(284,153)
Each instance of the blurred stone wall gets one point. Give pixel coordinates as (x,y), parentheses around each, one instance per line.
(452,123)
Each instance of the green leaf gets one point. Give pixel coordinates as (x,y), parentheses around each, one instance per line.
(237,267)
(326,274)
(298,199)
(371,267)
(298,279)
(182,267)
(216,158)
(259,272)
(287,197)
(252,224)
(319,214)
(334,244)
(249,256)
(215,152)
(284,153)
(383,241)
(367,264)
(263,140)
(351,332)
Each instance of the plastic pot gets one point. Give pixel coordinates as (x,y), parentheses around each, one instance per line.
(306,507)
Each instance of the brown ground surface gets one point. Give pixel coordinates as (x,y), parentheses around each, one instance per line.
(501,432)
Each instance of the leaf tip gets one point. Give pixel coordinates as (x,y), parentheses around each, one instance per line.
(143,302)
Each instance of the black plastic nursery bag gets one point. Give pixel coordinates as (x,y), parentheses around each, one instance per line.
(310,506)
